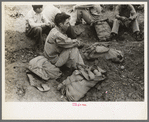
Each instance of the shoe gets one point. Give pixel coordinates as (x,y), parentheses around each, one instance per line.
(138,36)
(113,36)
(78,23)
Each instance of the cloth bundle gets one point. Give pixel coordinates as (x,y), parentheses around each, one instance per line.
(43,68)
(81,80)
(103,30)
(98,50)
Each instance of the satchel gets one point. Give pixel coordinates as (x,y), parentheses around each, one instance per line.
(103,30)
(43,68)
(98,50)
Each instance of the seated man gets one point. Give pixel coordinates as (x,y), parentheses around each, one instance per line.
(126,16)
(90,13)
(60,49)
(93,16)
(50,12)
(36,24)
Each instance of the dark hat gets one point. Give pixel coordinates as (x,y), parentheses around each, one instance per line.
(37,6)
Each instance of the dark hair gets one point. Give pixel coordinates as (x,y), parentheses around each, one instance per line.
(36,6)
(61,18)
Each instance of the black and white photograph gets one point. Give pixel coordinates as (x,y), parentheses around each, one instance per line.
(75,53)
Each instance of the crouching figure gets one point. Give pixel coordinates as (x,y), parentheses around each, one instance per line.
(60,49)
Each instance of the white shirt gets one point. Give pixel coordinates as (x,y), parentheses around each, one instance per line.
(34,19)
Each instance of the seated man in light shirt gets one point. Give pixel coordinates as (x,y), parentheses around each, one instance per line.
(37,24)
(59,49)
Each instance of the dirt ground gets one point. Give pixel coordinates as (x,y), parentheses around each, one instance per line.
(121,84)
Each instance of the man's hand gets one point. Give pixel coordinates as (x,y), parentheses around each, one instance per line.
(47,24)
(93,22)
(50,24)
(80,44)
(43,25)
(131,18)
(124,18)
(72,10)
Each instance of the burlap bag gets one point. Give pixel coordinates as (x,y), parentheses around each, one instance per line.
(98,50)
(76,85)
(103,30)
(43,68)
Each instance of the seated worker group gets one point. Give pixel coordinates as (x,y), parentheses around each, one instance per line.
(58,41)
(125,15)
(39,21)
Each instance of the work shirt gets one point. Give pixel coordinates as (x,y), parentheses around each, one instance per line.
(56,42)
(126,12)
(34,19)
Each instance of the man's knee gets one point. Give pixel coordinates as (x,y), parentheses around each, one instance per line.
(70,51)
(74,50)
(38,29)
(116,21)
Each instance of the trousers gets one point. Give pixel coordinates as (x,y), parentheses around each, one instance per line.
(36,33)
(70,57)
(87,16)
(117,23)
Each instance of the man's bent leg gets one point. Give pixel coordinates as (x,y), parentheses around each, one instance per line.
(46,30)
(79,16)
(38,34)
(116,25)
(35,33)
(86,15)
(75,57)
(135,26)
(63,58)
(70,57)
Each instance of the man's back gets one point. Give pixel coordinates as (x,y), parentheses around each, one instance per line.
(50,11)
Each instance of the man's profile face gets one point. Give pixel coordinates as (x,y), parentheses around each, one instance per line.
(66,24)
(38,10)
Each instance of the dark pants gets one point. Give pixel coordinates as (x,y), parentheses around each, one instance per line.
(36,33)
(133,25)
